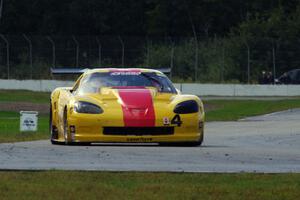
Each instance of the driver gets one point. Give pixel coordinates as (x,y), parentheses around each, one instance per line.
(93,84)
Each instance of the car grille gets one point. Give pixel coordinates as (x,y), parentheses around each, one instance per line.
(138,131)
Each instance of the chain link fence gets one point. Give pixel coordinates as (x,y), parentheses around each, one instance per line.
(216,60)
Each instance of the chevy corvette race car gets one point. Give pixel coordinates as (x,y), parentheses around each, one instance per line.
(125,105)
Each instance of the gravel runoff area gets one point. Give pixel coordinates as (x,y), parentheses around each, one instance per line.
(268,143)
(42,108)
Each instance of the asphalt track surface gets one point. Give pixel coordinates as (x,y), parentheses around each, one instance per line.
(269,143)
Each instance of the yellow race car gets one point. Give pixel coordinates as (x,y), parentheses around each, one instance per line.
(125,105)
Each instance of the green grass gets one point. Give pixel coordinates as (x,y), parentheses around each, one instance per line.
(10,124)
(24,96)
(131,185)
(231,110)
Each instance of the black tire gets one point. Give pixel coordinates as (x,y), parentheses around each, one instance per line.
(67,134)
(56,142)
(52,139)
(81,143)
(184,144)
(66,131)
(197,143)
(50,119)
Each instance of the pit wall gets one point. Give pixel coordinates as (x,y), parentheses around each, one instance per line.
(186,88)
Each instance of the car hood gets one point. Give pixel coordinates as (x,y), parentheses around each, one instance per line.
(129,98)
(137,104)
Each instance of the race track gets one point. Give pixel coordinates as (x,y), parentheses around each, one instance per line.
(269,143)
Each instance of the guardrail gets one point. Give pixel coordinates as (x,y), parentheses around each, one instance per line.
(186,88)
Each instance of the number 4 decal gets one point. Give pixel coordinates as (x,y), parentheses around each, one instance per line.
(176,120)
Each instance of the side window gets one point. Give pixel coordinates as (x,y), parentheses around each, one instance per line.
(298,75)
(76,86)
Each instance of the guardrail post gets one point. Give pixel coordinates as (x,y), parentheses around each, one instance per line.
(30,54)
(7,54)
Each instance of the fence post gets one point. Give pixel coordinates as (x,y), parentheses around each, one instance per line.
(30,54)
(77,50)
(171,57)
(123,50)
(1,8)
(248,62)
(53,51)
(274,64)
(99,50)
(148,52)
(196,58)
(223,63)
(7,54)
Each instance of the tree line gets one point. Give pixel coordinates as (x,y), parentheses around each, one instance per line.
(144,17)
(228,29)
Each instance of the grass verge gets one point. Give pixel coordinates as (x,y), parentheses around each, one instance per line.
(10,125)
(231,110)
(131,185)
(24,96)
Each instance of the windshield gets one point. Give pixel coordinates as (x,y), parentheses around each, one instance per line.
(92,83)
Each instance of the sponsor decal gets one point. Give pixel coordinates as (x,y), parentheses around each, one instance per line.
(166,121)
(139,139)
(124,73)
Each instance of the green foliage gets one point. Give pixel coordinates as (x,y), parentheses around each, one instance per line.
(145,17)
(217,60)
(226,31)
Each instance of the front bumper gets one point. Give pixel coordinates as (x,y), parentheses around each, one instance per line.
(192,137)
(87,128)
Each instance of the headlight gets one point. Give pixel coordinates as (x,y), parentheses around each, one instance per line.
(86,107)
(186,107)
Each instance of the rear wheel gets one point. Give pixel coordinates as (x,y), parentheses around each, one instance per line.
(53,133)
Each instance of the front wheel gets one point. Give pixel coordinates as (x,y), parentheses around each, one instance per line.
(184,144)
(197,143)
(192,144)
(66,129)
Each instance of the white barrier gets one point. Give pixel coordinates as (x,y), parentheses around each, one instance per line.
(241,90)
(33,85)
(186,88)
